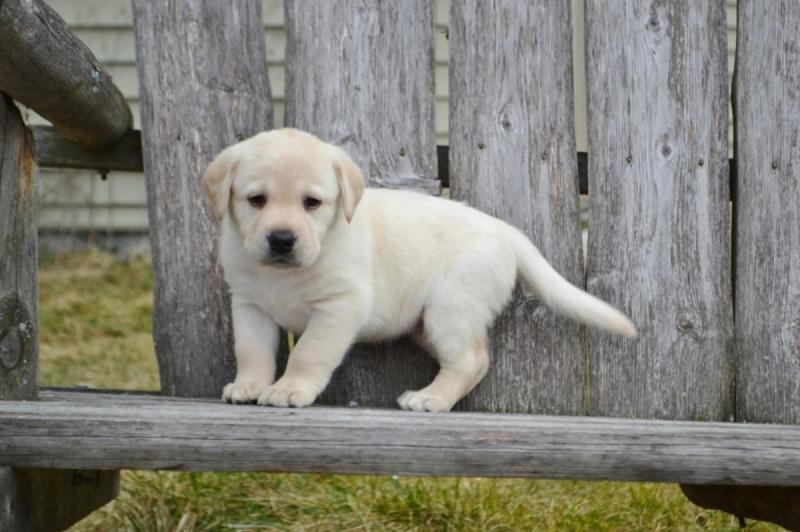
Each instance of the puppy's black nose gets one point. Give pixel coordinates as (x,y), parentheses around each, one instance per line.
(281,242)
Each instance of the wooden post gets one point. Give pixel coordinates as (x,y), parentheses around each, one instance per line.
(29,499)
(203,79)
(659,213)
(360,74)
(44,66)
(512,154)
(768,212)
(767,239)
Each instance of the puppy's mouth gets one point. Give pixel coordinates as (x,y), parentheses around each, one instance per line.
(281,262)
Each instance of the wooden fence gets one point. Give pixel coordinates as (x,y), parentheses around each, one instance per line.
(704,255)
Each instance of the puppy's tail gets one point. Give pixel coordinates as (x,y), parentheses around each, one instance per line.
(566,299)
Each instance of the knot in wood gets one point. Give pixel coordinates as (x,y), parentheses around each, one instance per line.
(17,333)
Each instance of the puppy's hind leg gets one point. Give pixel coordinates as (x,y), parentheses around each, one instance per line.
(463,362)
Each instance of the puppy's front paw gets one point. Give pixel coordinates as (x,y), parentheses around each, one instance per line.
(421,401)
(287,393)
(242,392)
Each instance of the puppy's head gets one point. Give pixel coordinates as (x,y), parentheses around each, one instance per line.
(284,190)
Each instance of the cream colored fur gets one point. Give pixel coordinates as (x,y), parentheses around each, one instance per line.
(368,265)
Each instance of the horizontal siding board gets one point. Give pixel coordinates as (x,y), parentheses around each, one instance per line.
(118,14)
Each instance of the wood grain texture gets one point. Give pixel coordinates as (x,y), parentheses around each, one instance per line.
(659,220)
(767,110)
(19,294)
(79,430)
(367,85)
(203,80)
(512,154)
(44,66)
(44,500)
(54,151)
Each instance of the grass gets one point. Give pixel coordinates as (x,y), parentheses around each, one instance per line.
(96,316)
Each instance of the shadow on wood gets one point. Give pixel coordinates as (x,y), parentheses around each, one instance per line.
(776,504)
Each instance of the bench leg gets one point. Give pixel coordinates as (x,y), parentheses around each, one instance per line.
(776,504)
(42,500)
(30,499)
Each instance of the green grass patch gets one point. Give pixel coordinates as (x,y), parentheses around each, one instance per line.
(96,315)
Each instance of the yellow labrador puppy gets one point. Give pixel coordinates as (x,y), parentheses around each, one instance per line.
(305,247)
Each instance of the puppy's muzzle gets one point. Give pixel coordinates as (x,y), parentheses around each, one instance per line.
(281,242)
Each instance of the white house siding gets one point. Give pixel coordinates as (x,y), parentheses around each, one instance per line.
(74,202)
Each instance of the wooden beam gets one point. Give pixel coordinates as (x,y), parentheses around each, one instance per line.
(369,90)
(767,232)
(114,431)
(54,151)
(45,67)
(659,211)
(512,153)
(204,85)
(40,499)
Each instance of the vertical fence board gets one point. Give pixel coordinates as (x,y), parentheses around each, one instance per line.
(512,154)
(767,111)
(360,75)
(203,80)
(659,215)
(19,294)
(41,499)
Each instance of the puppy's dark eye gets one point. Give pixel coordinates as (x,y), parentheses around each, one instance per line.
(311,203)
(257,200)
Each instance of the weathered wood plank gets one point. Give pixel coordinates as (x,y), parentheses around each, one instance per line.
(512,154)
(369,88)
(133,432)
(202,70)
(54,151)
(44,66)
(659,214)
(767,108)
(19,294)
(45,499)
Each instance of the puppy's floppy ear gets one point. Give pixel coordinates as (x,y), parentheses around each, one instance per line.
(351,182)
(219,179)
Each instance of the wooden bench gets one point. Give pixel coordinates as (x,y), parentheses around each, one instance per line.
(702,253)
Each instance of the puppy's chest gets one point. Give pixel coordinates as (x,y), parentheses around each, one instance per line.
(283,302)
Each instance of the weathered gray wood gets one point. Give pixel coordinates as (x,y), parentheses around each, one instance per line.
(29,500)
(659,214)
(79,430)
(778,504)
(44,66)
(512,154)
(54,151)
(768,212)
(43,500)
(19,295)
(360,74)
(203,78)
